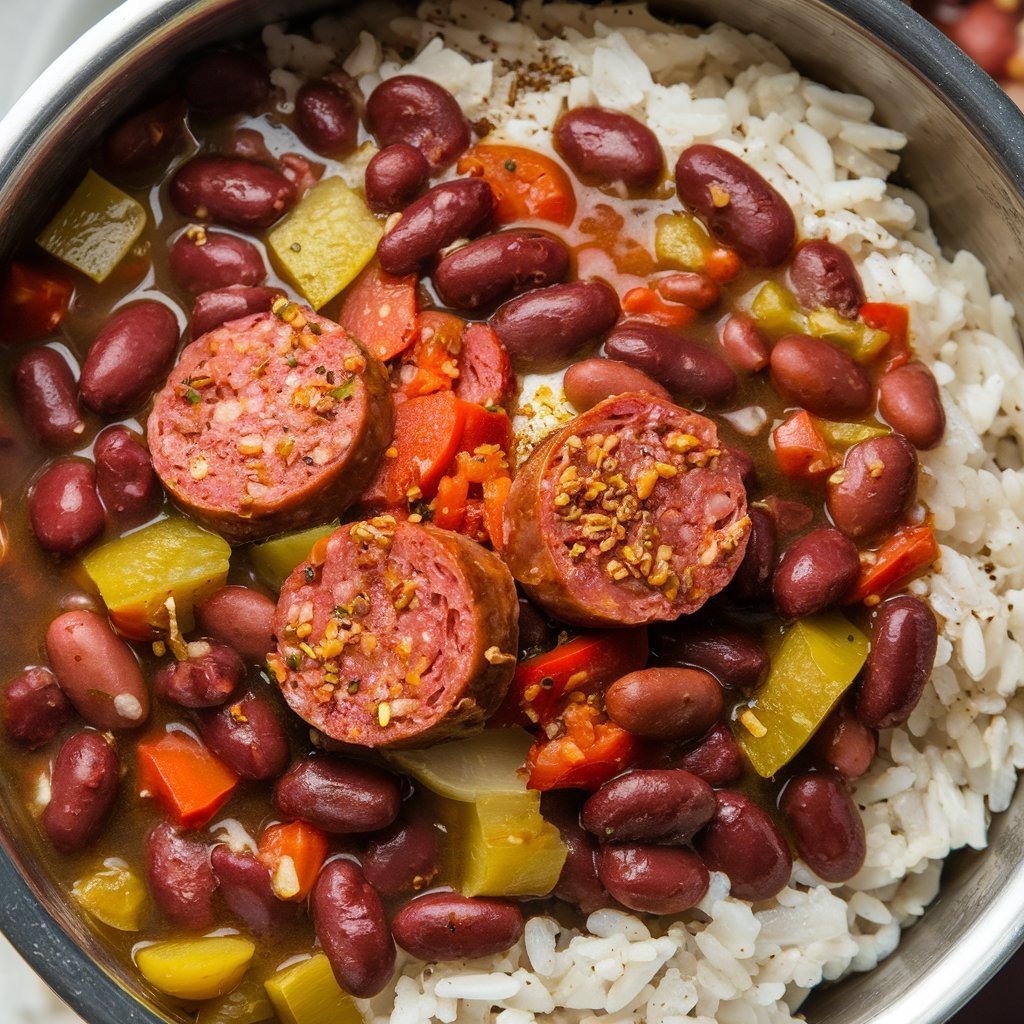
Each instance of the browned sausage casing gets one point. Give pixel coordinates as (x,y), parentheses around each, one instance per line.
(413,632)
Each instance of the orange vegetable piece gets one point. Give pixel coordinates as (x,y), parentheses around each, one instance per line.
(895,321)
(433,364)
(305,845)
(647,304)
(380,311)
(450,504)
(485,427)
(33,302)
(496,492)
(526,185)
(722,265)
(902,556)
(800,448)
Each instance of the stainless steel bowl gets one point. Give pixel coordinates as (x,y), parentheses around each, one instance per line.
(966,158)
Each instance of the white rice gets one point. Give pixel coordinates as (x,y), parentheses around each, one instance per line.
(936,781)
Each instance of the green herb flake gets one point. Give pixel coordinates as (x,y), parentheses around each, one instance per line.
(344,390)
(294,662)
(291,360)
(353,686)
(192,396)
(510,166)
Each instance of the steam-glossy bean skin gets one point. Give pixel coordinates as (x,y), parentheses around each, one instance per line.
(816,572)
(326,119)
(48,399)
(826,825)
(213,309)
(823,276)
(844,744)
(818,376)
(717,759)
(692,289)
(145,139)
(125,479)
(578,884)
(732,655)
(248,736)
(752,583)
(665,703)
(607,146)
(226,82)
(395,176)
(404,858)
(83,788)
(245,886)
(745,344)
(206,260)
(654,879)
(230,191)
(242,618)
(64,508)
(180,876)
(205,679)
(590,381)
(908,397)
(446,926)
(34,708)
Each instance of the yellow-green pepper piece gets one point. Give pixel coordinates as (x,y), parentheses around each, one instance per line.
(196,969)
(843,435)
(114,895)
(861,341)
(247,1004)
(818,659)
(95,229)
(136,575)
(325,241)
(775,309)
(682,241)
(275,559)
(309,994)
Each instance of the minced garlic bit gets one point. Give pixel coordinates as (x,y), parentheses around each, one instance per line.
(199,467)
(752,723)
(384,714)
(285,882)
(495,656)
(719,196)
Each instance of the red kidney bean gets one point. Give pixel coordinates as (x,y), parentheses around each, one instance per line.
(203,261)
(816,572)
(450,211)
(578,883)
(751,585)
(129,357)
(789,516)
(717,759)
(64,508)
(743,842)
(422,114)
(606,146)
(48,399)
(180,876)
(404,858)
(226,82)
(498,267)
(205,679)
(744,465)
(242,618)
(826,825)
(904,638)
(326,119)
(592,380)
(653,806)
(247,735)
(825,381)
(244,883)
(543,328)
(844,744)
(125,479)
(83,788)
(734,657)
(236,193)
(394,177)
(653,879)
(34,708)
(97,670)
(534,632)
(447,926)
(823,277)
(745,344)
(339,795)
(908,398)
(988,34)
(665,703)
(352,929)
(875,488)
(693,290)
(685,367)
(214,309)
(739,207)
(145,139)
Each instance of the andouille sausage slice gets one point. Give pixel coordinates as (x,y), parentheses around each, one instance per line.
(632,513)
(266,425)
(395,634)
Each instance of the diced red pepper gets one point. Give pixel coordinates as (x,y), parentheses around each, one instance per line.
(496,491)
(904,555)
(722,265)
(646,304)
(380,311)
(433,363)
(450,503)
(895,321)
(800,448)
(33,302)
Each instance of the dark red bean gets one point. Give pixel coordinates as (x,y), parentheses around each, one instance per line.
(125,479)
(146,139)
(394,177)
(450,211)
(686,368)
(499,266)
(693,290)
(825,381)
(248,736)
(665,703)
(236,193)
(653,879)
(534,632)
(908,397)
(823,277)
(717,759)
(403,859)
(205,679)
(988,34)
(744,465)
(655,806)
(605,146)
(203,261)
(751,584)
(816,572)
(739,207)
(904,638)
(214,309)
(422,114)
(578,883)
(743,842)
(592,380)
(226,82)
(326,119)
(844,744)
(97,671)
(64,509)
(242,618)
(83,788)
(245,885)
(129,357)
(180,877)
(48,399)
(337,795)
(826,825)
(875,488)
(447,926)
(352,929)
(732,655)
(745,344)
(543,328)
(790,516)
(34,708)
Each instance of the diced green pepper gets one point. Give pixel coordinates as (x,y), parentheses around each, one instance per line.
(325,242)
(843,435)
(861,341)
(275,559)
(196,969)
(247,1004)
(309,994)
(819,657)
(682,241)
(775,309)
(95,229)
(114,895)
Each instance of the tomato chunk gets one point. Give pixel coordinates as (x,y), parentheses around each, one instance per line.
(33,302)
(380,310)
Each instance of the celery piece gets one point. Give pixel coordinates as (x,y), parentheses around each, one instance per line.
(861,341)
(323,244)
(681,241)
(114,895)
(843,435)
(275,559)
(95,229)
(247,1004)
(196,969)
(816,661)
(775,309)
(308,993)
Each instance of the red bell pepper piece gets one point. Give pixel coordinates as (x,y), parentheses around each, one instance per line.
(33,302)
(895,321)
(800,448)
(902,556)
